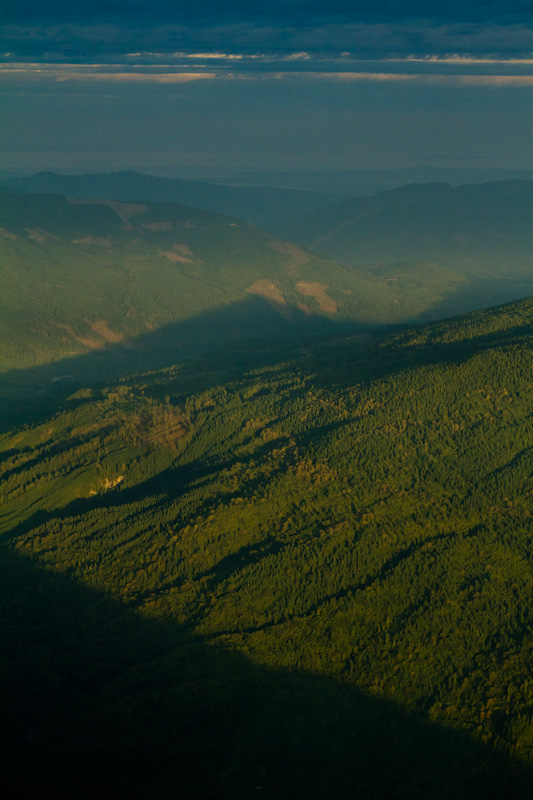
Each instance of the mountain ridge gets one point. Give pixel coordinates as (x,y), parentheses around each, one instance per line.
(471,225)
(258,205)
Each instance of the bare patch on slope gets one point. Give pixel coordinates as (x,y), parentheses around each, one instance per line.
(101,327)
(319,292)
(181,253)
(39,235)
(123,210)
(175,258)
(92,344)
(296,256)
(105,241)
(5,234)
(268,290)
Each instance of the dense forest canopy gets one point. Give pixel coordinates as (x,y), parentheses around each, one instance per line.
(302,567)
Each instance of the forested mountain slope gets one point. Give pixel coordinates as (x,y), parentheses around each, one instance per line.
(482,232)
(309,572)
(484,228)
(138,286)
(83,276)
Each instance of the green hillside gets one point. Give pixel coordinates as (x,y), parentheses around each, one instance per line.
(295,573)
(81,276)
(138,285)
(482,232)
(475,225)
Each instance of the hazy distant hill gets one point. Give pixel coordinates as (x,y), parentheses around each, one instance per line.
(481,231)
(359,183)
(143,284)
(306,570)
(258,205)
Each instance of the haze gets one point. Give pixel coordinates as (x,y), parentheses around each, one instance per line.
(296,87)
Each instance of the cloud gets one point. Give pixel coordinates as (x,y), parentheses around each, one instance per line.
(218,56)
(303,56)
(53,73)
(359,76)
(301,69)
(491,80)
(458,59)
(136,77)
(442,80)
(118,39)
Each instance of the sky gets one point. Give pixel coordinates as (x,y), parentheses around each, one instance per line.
(222,86)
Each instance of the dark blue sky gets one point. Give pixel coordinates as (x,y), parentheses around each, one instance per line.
(274,10)
(232,85)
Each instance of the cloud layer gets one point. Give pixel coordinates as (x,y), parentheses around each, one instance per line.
(180,68)
(66,31)
(292,84)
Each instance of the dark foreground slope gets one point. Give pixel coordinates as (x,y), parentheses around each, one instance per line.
(309,573)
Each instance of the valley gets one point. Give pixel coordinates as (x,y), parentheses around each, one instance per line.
(260,533)
(266,400)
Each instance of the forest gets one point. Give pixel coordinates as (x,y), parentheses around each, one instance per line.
(293,570)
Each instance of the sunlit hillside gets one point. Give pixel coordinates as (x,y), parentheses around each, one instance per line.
(307,570)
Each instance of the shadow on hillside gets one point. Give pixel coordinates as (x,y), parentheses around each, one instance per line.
(171,484)
(363,365)
(99,702)
(481,293)
(28,394)
(215,350)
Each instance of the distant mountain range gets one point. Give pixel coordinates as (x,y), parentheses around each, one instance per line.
(443,249)
(258,205)
(363,182)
